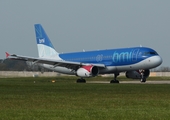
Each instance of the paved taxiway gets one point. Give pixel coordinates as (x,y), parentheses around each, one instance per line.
(134,82)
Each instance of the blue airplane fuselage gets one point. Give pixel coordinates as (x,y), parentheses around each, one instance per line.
(111,57)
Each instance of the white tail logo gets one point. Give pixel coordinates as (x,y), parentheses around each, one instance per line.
(42,40)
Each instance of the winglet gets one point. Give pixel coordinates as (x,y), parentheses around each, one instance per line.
(7,54)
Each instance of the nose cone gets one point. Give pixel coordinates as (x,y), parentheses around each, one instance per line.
(158,60)
(155,61)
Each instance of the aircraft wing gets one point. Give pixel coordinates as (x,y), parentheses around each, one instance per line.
(55,63)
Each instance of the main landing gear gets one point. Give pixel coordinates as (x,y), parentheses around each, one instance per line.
(115,80)
(81,80)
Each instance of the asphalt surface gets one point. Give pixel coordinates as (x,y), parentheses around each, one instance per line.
(134,82)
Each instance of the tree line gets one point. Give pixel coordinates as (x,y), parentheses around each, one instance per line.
(17,65)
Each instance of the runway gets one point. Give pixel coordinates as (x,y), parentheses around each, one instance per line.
(134,82)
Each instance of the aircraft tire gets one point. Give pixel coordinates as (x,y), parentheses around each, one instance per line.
(114,81)
(143,80)
(81,81)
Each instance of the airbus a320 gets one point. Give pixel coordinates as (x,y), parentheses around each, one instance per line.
(136,62)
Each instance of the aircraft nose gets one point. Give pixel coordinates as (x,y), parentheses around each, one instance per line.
(156,60)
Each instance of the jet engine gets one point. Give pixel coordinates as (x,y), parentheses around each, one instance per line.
(137,74)
(87,71)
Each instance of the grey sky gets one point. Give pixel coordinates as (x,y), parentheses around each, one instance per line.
(74,25)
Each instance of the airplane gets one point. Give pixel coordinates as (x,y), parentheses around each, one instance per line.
(136,62)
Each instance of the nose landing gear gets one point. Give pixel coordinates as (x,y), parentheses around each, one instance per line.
(143,78)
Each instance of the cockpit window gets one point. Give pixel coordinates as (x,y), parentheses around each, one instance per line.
(150,53)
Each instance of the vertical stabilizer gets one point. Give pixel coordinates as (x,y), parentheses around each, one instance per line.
(45,47)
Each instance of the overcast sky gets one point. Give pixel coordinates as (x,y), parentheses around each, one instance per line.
(74,25)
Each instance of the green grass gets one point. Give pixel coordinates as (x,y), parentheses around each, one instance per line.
(39,99)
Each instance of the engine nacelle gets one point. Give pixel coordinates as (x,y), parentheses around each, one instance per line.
(137,74)
(88,71)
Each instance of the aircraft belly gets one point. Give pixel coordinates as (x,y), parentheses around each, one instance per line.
(113,69)
(109,69)
(136,66)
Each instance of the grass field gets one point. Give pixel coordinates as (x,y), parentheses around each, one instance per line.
(40,99)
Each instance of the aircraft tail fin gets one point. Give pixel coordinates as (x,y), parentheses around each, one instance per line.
(44,45)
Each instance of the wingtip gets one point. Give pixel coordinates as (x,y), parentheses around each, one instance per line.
(7,54)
